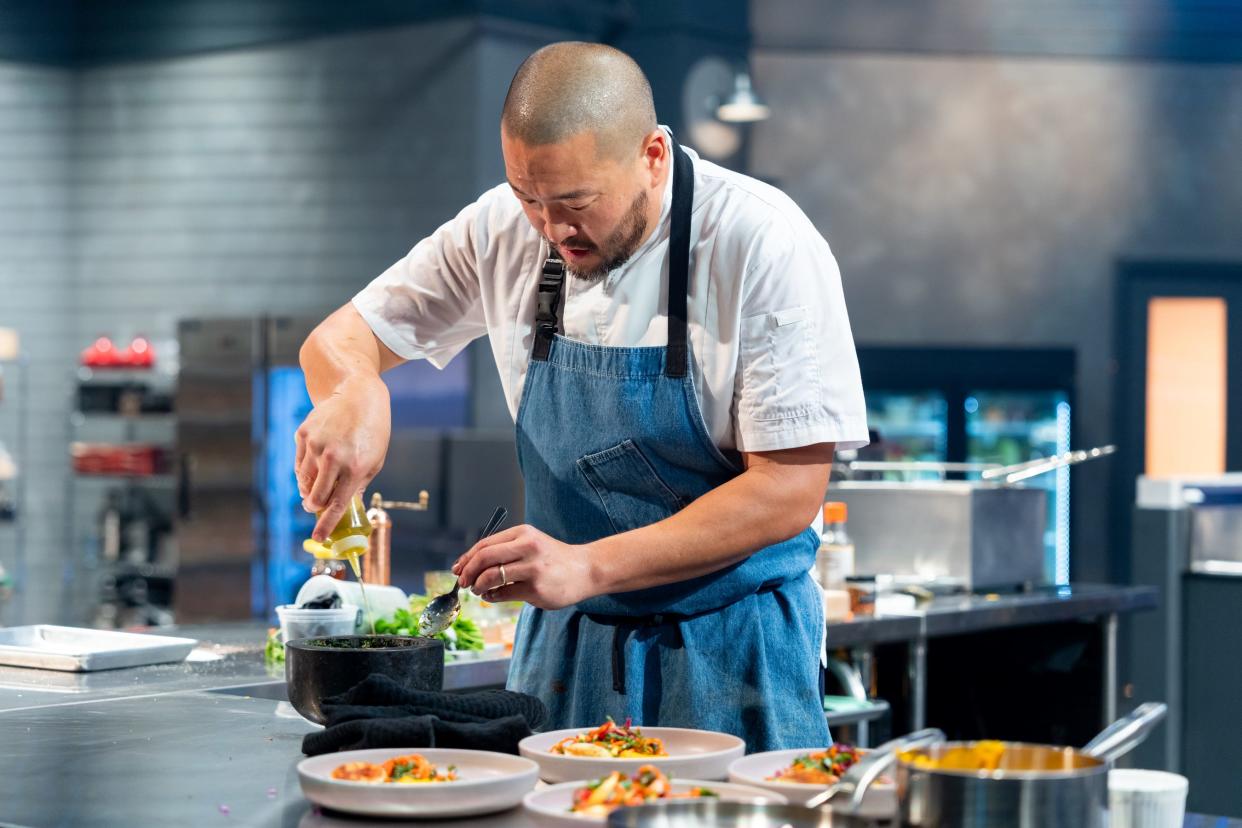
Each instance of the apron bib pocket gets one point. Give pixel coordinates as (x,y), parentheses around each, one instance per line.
(628,487)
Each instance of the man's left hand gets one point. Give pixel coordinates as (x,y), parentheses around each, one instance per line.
(540,570)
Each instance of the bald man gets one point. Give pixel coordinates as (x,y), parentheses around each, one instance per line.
(674,347)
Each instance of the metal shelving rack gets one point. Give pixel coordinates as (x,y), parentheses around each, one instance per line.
(97,576)
(13,375)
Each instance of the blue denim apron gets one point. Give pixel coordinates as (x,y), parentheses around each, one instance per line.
(613,439)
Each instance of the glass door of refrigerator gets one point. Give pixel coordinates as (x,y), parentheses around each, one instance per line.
(1008,427)
(911,426)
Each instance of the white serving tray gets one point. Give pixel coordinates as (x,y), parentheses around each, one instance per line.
(76,649)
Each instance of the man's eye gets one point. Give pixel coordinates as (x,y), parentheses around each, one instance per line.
(578,207)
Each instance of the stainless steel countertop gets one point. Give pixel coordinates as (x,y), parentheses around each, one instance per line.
(955,614)
(161,745)
(192,759)
(228,655)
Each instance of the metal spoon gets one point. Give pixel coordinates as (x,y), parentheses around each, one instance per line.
(442,611)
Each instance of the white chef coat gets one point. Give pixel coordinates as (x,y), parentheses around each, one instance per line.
(773,356)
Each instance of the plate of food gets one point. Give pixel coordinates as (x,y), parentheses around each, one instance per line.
(417,782)
(590,802)
(801,773)
(595,752)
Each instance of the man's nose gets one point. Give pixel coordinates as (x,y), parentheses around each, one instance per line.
(557,231)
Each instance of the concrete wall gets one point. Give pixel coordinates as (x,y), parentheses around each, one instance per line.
(986,200)
(36,113)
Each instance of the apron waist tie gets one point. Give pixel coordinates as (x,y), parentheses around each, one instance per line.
(623,625)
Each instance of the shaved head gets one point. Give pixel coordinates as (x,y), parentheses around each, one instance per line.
(569,88)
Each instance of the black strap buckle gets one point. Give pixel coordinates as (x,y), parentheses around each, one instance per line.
(547,309)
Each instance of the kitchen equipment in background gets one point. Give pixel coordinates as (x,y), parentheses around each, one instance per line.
(1186,540)
(979,407)
(240,398)
(961,531)
(955,532)
(377,565)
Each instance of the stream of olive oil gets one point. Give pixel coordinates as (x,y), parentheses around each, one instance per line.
(366,605)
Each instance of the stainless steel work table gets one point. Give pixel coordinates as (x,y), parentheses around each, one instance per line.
(208,741)
(964,614)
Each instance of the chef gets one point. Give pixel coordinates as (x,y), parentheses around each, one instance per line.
(674,347)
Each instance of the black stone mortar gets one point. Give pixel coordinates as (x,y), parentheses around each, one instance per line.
(319,668)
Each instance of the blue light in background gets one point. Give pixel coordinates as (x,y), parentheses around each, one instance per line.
(288,525)
(1061,518)
(972,405)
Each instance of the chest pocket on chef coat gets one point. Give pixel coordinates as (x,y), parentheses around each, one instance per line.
(780,368)
(628,487)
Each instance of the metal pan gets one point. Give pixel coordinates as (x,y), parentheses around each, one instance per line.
(1028,786)
(706,812)
(76,649)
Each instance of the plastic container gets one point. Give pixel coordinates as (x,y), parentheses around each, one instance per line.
(317,623)
(834,562)
(384,600)
(1146,799)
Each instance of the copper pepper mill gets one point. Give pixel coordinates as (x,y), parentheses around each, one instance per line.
(376,564)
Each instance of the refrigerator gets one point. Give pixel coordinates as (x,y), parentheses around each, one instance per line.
(976,406)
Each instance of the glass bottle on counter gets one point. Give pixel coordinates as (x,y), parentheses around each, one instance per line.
(834,562)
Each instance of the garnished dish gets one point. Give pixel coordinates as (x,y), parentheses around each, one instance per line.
(823,767)
(603,796)
(610,741)
(409,769)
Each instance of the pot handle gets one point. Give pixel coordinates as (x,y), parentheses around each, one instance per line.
(865,771)
(1123,735)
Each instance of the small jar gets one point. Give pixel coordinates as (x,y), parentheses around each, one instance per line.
(862,589)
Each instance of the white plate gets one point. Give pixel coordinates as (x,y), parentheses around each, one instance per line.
(551,805)
(692,754)
(755,769)
(486,782)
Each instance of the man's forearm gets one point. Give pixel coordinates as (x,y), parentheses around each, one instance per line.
(758,508)
(340,350)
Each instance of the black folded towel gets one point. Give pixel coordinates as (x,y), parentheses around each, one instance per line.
(380,713)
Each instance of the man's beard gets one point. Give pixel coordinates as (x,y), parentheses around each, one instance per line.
(620,245)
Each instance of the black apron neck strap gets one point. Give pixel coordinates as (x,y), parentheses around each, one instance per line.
(677,358)
(552,278)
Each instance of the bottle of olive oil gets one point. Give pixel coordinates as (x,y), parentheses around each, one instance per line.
(349,540)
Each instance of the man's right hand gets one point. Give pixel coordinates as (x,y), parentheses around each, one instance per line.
(341,447)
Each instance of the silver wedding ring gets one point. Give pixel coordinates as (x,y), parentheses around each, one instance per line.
(504,579)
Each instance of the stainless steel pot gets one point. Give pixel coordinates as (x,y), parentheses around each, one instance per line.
(1032,786)
(706,813)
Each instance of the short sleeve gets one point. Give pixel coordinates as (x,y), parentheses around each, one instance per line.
(797,379)
(427,305)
